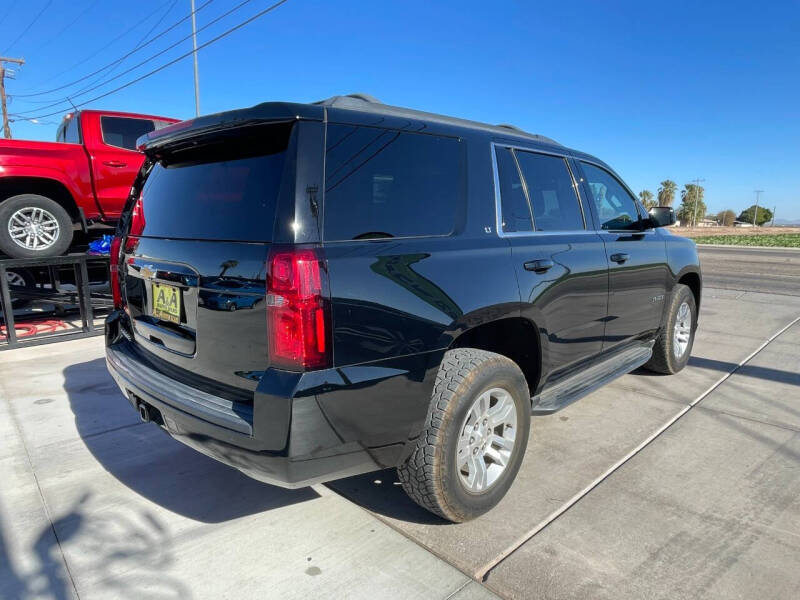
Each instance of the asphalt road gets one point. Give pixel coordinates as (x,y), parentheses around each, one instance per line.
(774,271)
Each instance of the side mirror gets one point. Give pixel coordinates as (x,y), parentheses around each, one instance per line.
(662,216)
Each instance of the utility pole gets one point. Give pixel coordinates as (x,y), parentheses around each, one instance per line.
(3,60)
(196,76)
(697,183)
(774,210)
(755,214)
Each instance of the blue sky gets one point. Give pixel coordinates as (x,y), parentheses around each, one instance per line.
(675,90)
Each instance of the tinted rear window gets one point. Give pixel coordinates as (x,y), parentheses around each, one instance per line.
(222,193)
(384,183)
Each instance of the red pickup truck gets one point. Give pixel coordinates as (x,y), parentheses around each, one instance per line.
(49,189)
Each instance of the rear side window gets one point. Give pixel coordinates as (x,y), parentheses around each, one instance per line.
(515,211)
(123,132)
(551,192)
(615,207)
(381,183)
(71,131)
(227,191)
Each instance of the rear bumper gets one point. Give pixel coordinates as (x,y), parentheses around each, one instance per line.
(302,428)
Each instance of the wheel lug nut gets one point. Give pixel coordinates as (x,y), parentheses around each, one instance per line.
(471,440)
(475,451)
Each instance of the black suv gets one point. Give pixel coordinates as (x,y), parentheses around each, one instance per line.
(311,291)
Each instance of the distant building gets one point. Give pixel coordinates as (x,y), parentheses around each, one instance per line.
(742,224)
(708,223)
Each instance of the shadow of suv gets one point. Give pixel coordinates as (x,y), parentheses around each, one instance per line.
(417,286)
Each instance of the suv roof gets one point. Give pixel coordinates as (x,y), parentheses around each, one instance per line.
(367,103)
(289,111)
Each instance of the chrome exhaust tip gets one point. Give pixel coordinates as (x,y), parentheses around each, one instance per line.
(144,412)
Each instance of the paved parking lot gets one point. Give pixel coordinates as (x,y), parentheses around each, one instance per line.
(680,487)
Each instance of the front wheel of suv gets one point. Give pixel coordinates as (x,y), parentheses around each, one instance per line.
(474,438)
(674,346)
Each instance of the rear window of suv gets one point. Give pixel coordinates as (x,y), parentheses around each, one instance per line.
(217,192)
(382,183)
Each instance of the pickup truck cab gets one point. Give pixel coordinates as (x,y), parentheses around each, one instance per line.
(47,189)
(311,291)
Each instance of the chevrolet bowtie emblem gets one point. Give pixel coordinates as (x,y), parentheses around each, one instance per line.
(148,272)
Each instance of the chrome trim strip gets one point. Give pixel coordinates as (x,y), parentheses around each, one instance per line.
(193,401)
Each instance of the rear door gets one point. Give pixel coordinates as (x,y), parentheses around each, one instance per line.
(559,261)
(115,161)
(195,259)
(638,270)
(410,263)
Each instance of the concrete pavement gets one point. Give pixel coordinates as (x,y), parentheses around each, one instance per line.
(94,504)
(569,450)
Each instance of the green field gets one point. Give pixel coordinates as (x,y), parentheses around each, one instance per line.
(790,240)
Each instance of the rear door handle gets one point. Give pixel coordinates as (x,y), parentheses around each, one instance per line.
(115,163)
(620,257)
(539,266)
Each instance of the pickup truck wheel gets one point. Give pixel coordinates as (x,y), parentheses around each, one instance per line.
(22,278)
(674,346)
(32,226)
(474,438)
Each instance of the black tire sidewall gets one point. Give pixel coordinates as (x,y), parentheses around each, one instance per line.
(30,282)
(683,294)
(9,206)
(465,503)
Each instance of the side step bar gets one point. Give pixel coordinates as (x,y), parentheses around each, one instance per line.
(584,382)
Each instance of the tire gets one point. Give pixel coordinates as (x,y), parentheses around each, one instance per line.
(52,212)
(23,278)
(431,475)
(665,359)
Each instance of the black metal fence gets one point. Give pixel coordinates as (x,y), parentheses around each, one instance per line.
(58,286)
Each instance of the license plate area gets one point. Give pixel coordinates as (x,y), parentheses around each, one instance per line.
(167,302)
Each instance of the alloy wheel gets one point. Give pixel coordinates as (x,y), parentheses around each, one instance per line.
(682,331)
(487,440)
(33,228)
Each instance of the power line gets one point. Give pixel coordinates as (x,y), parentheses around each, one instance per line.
(50,40)
(136,25)
(172,62)
(140,44)
(119,60)
(111,66)
(136,66)
(10,8)
(31,24)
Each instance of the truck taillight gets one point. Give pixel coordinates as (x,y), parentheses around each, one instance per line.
(116,291)
(298,310)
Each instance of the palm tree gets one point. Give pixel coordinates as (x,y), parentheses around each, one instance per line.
(646,196)
(666,193)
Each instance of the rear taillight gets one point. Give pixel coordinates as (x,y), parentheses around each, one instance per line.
(136,228)
(137,218)
(115,251)
(298,312)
